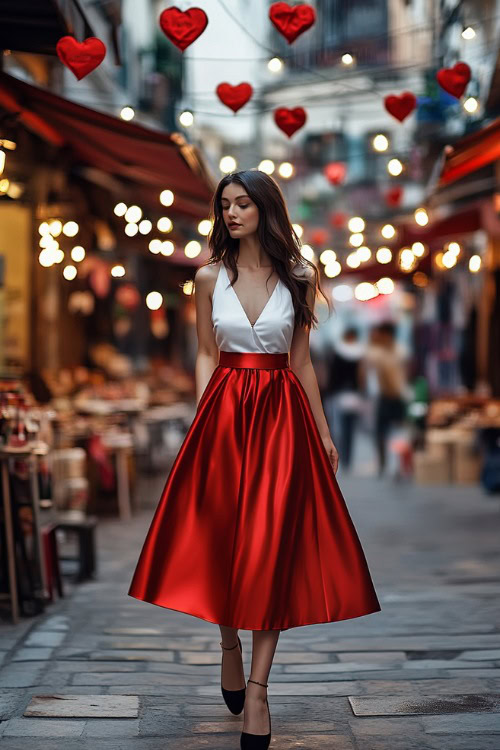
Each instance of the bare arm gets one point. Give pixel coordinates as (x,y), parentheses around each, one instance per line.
(207,355)
(300,363)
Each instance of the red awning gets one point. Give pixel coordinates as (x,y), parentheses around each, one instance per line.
(471,153)
(138,156)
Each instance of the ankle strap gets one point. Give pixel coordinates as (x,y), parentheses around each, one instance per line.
(258,683)
(229,648)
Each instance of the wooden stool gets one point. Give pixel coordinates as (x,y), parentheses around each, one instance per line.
(85,530)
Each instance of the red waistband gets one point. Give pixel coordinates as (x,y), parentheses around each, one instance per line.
(264,360)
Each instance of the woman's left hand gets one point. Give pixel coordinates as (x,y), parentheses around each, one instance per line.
(332,453)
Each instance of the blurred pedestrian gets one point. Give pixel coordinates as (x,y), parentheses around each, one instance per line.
(385,360)
(343,398)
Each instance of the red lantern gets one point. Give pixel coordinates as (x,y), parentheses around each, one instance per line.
(291,21)
(234,97)
(290,120)
(454,80)
(81,57)
(335,172)
(393,196)
(400,106)
(183,27)
(128,296)
(338,219)
(319,236)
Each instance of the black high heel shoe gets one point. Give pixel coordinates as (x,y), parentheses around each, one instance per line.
(235,699)
(250,741)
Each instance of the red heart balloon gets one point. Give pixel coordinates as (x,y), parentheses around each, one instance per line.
(183,27)
(394,195)
(290,120)
(335,172)
(234,97)
(400,106)
(292,21)
(454,80)
(81,57)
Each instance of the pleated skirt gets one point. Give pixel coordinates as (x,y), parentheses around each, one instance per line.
(251,530)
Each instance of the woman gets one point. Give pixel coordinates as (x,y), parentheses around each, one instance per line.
(251,531)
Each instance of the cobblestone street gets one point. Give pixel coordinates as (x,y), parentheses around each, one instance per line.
(422,673)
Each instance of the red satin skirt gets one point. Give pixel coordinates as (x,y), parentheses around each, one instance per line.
(251,530)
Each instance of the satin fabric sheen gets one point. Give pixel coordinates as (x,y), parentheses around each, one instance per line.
(252,530)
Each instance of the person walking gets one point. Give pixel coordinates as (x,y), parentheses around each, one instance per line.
(252,531)
(386,360)
(344,402)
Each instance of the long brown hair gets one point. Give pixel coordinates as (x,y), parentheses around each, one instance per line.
(276,236)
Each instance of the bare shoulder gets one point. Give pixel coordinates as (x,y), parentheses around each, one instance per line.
(206,275)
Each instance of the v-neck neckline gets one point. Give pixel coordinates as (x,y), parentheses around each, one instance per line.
(252,325)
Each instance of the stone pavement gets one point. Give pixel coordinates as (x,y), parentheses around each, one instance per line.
(422,673)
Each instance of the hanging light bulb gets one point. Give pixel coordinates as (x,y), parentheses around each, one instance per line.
(70,229)
(227,164)
(267,166)
(166,197)
(44,228)
(133,214)
(307,252)
(120,209)
(204,227)
(118,271)
(286,170)
(192,249)
(421,217)
(356,239)
(298,229)
(352,260)
(328,256)
(127,113)
(347,59)
(69,273)
(364,253)
(55,227)
(145,226)
(333,269)
(356,224)
(78,253)
(275,65)
(186,118)
(155,246)
(154,300)
(388,231)
(394,167)
(475,263)
(167,247)
(468,33)
(471,104)
(380,142)
(385,285)
(131,230)
(418,249)
(164,224)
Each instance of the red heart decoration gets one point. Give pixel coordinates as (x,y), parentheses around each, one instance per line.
(292,21)
(338,219)
(234,97)
(454,80)
(183,27)
(290,120)
(335,172)
(400,106)
(81,57)
(394,195)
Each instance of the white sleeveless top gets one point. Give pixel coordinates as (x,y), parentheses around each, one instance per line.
(272,331)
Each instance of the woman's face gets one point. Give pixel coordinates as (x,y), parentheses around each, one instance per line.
(239,212)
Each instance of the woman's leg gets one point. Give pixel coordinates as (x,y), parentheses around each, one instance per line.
(256,720)
(233,674)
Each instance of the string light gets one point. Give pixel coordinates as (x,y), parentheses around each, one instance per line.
(385,285)
(58,255)
(356,224)
(4,185)
(69,273)
(44,228)
(380,142)
(388,231)
(77,253)
(418,249)
(454,248)
(275,65)
(471,104)
(286,170)
(154,300)
(365,291)
(187,287)
(468,33)
(227,164)
(186,118)
(347,59)
(449,259)
(155,246)
(356,239)
(70,229)
(406,259)
(133,214)
(167,247)
(328,256)
(394,167)
(118,271)
(46,258)
(333,269)
(352,260)
(120,209)
(127,113)
(307,252)
(164,224)
(192,249)
(474,263)
(267,166)
(55,227)
(131,229)
(204,227)
(364,253)
(145,226)
(421,217)
(298,229)
(166,197)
